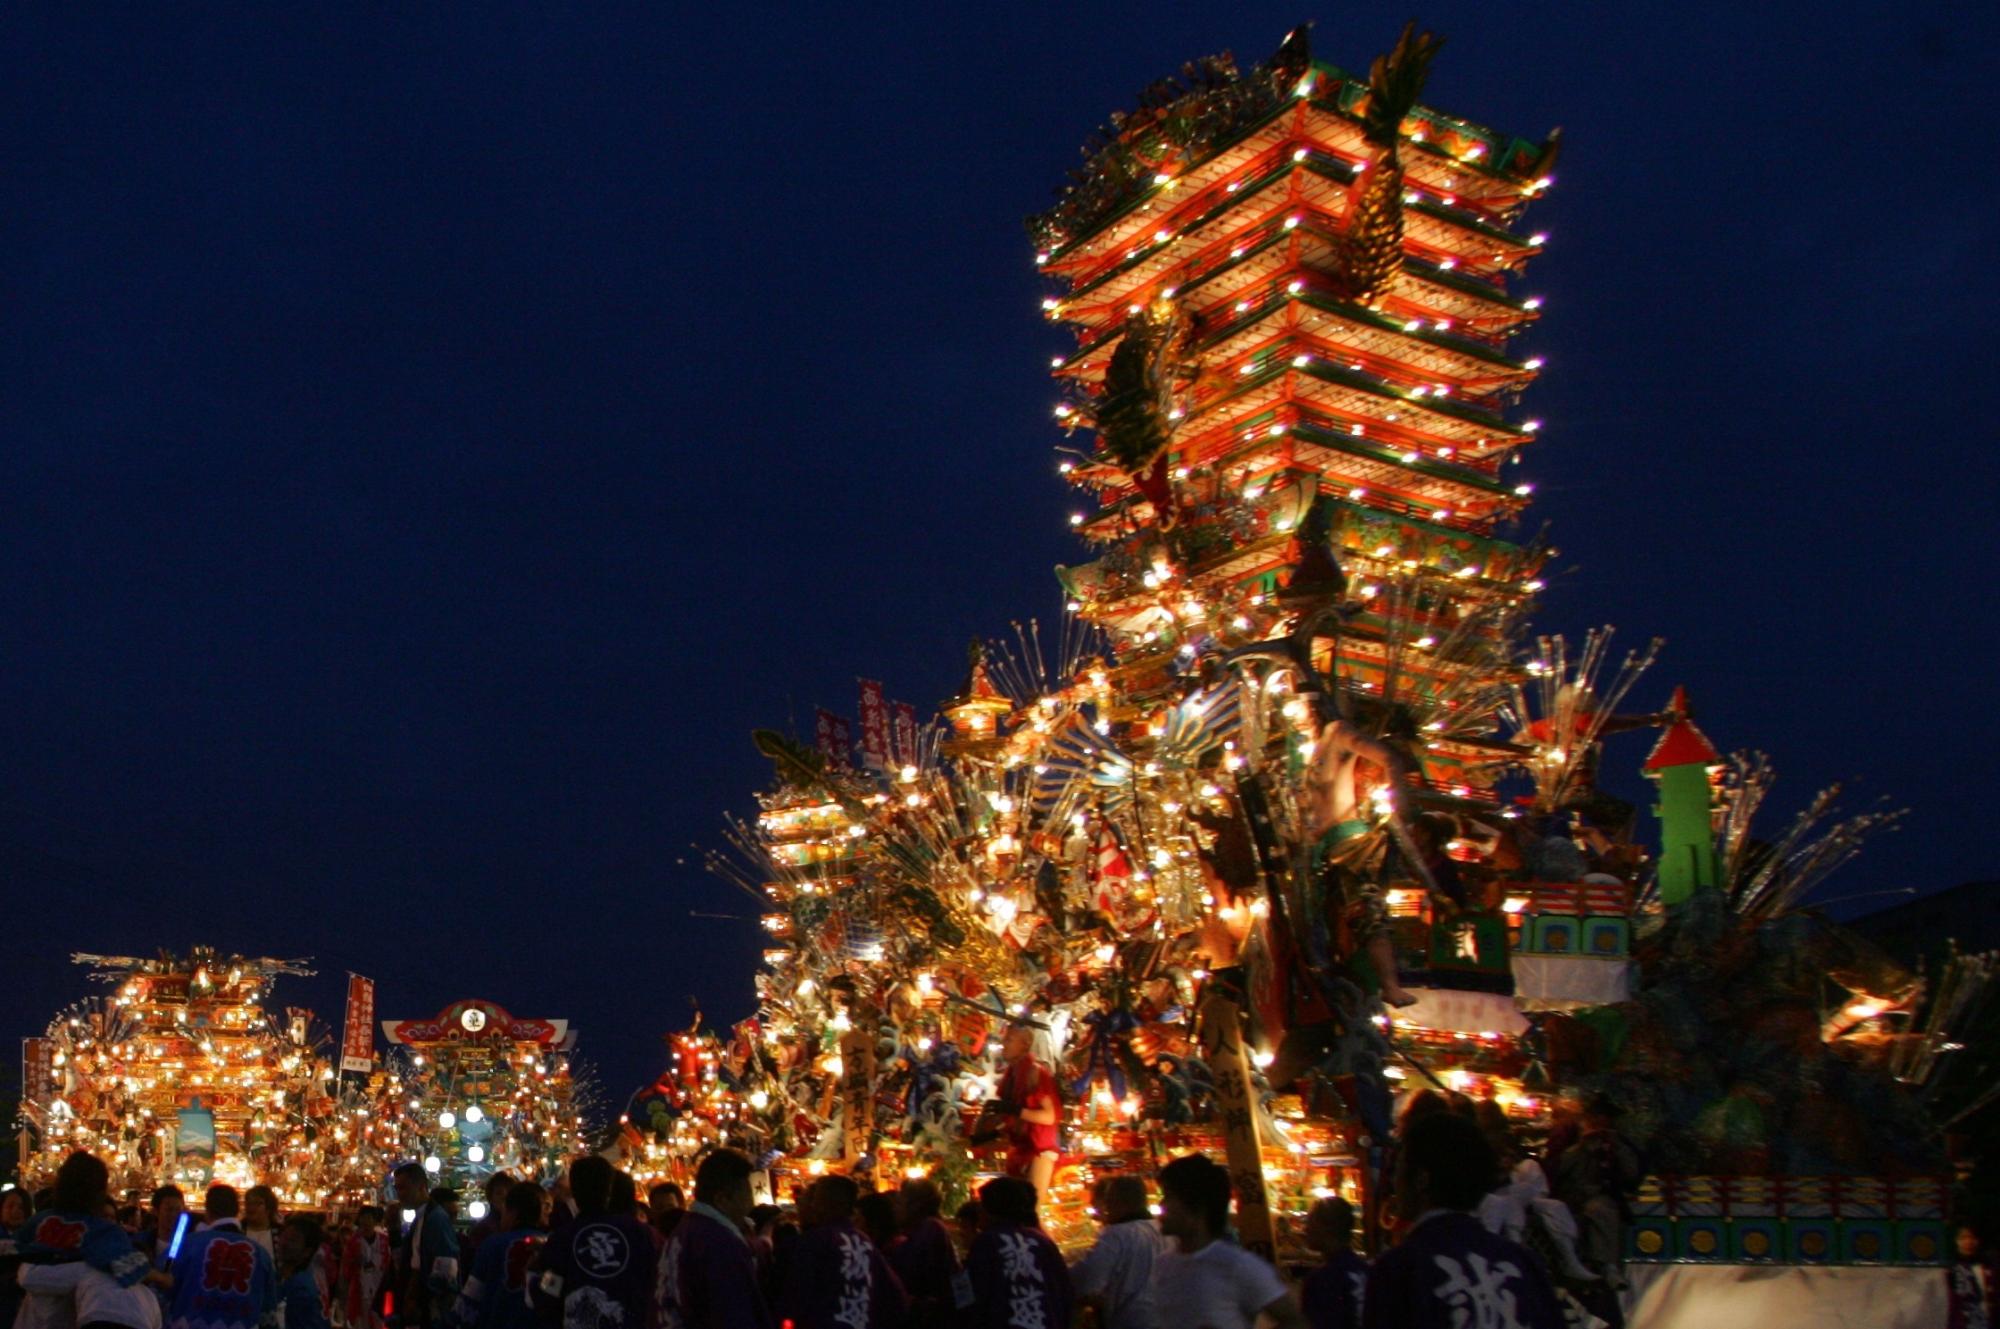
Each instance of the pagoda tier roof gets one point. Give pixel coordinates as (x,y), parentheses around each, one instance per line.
(1420,490)
(1441,154)
(1440,330)
(1304,257)
(1268,375)
(1249,299)
(1441,148)
(1323,325)
(1433,229)
(1223,216)
(1421,487)
(1285,433)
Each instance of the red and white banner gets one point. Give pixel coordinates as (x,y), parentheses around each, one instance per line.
(874,727)
(835,740)
(357,1037)
(38,1070)
(903,733)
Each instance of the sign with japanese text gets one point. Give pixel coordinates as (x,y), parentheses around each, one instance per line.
(903,733)
(38,1070)
(857,1093)
(835,740)
(874,726)
(1235,1099)
(357,1035)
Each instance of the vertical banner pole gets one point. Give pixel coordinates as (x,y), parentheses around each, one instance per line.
(1229,1061)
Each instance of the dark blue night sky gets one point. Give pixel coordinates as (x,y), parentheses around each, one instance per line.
(430,442)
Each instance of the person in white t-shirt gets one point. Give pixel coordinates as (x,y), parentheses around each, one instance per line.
(1206,1281)
(98,1300)
(1117,1274)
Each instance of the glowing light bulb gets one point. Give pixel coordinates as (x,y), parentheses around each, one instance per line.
(447,1120)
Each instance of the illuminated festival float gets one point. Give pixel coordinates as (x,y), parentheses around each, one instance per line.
(476,1091)
(183,1073)
(1293,818)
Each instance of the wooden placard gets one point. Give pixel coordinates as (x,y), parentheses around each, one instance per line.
(857,1092)
(1229,1062)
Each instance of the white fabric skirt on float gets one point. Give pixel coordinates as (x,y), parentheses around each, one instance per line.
(1765,1296)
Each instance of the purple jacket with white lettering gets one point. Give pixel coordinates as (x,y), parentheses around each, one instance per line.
(1451,1271)
(1019,1280)
(836,1279)
(604,1268)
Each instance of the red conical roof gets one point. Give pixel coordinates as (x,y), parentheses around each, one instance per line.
(1682,744)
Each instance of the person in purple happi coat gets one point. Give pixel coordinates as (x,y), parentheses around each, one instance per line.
(708,1271)
(1448,1271)
(834,1277)
(925,1259)
(1019,1280)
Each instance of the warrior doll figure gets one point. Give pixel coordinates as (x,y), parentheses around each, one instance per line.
(1333,815)
(1031,1103)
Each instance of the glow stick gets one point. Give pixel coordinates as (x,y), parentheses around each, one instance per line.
(181,1225)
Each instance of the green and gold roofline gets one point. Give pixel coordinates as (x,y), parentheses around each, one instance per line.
(1181,126)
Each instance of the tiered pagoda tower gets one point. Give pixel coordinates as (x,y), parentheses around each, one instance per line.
(1314,277)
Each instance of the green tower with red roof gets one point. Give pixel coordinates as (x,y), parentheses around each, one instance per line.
(1680,763)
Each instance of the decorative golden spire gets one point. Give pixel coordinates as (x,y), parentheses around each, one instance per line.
(975,713)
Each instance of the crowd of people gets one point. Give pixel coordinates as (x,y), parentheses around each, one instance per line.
(591,1252)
